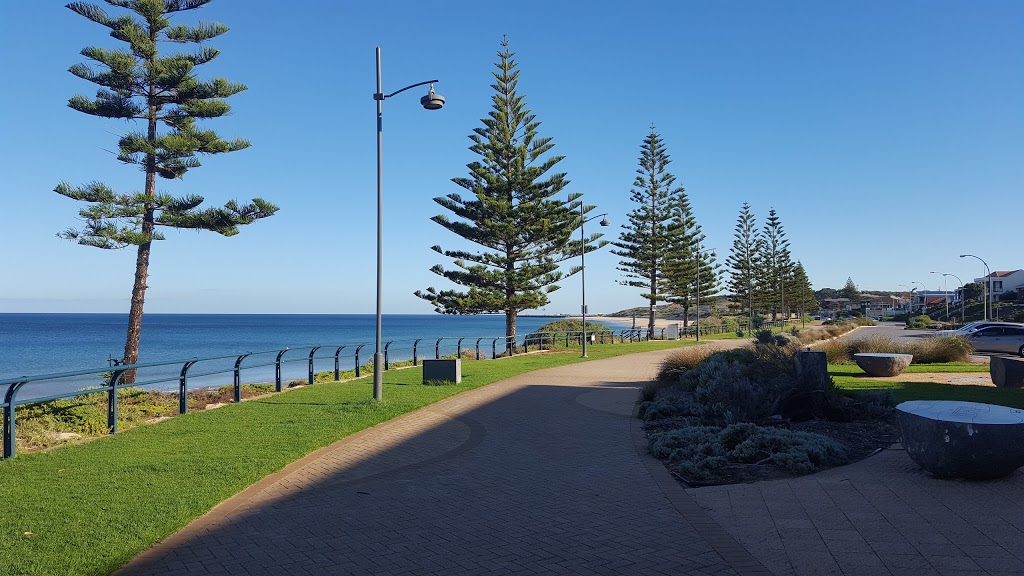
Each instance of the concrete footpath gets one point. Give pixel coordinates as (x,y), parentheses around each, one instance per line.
(547,473)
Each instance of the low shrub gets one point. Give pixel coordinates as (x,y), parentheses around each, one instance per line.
(698,453)
(925,351)
(864,321)
(941,349)
(680,361)
(835,351)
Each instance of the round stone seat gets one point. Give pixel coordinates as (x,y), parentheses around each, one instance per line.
(882,364)
(953,439)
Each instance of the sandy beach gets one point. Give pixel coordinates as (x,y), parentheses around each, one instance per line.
(641,322)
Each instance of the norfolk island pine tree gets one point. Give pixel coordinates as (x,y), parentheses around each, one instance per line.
(775,265)
(644,242)
(512,211)
(138,83)
(743,260)
(686,257)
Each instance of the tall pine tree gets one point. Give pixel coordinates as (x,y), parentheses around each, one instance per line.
(802,299)
(691,273)
(744,260)
(644,242)
(775,265)
(138,83)
(512,211)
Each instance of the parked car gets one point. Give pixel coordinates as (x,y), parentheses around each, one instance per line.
(974,327)
(1005,339)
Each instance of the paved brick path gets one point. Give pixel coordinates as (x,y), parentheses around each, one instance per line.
(546,473)
(538,474)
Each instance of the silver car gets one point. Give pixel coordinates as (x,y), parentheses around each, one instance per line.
(1008,339)
(974,327)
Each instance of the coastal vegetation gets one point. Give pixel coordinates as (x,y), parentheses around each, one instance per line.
(749,413)
(139,83)
(88,508)
(512,212)
(925,351)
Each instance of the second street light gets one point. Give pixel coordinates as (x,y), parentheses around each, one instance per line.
(988,288)
(431,101)
(945,293)
(583,268)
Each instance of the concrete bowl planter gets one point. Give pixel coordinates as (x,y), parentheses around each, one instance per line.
(953,439)
(881,364)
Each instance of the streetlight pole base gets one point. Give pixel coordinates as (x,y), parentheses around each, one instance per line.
(378,376)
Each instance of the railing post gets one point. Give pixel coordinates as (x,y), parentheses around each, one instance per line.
(478,348)
(566,338)
(312,375)
(459,346)
(337,362)
(494,349)
(183,387)
(358,348)
(238,376)
(415,358)
(112,401)
(10,447)
(277,370)
(437,349)
(387,362)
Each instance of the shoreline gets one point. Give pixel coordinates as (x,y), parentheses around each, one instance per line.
(628,322)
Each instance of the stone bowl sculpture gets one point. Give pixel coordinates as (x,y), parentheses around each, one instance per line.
(881,364)
(953,439)
(1006,371)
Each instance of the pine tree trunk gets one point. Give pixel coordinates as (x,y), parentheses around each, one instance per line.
(650,318)
(131,345)
(510,330)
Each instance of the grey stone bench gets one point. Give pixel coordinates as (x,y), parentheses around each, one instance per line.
(1006,371)
(953,439)
(882,364)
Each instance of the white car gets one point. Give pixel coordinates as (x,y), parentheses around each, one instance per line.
(1008,339)
(974,327)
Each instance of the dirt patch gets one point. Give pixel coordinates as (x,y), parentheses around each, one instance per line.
(954,378)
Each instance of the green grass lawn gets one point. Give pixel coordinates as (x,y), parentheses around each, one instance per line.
(89,508)
(851,378)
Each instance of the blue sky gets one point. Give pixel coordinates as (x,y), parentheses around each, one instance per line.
(889,136)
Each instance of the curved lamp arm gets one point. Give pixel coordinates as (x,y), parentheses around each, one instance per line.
(382,96)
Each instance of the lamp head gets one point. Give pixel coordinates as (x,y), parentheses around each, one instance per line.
(605,222)
(432,101)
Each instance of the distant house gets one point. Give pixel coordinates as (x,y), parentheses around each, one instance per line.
(1003,281)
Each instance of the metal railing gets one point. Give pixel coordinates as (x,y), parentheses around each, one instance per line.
(181,373)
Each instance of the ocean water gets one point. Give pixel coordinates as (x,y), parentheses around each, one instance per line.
(33,344)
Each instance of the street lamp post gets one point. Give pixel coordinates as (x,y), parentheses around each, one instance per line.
(431,101)
(910,298)
(924,302)
(699,252)
(988,276)
(945,293)
(583,269)
(962,307)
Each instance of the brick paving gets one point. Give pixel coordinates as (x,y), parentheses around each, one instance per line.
(538,474)
(880,516)
(547,473)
